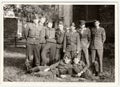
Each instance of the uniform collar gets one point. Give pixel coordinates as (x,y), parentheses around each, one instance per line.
(83,28)
(73,31)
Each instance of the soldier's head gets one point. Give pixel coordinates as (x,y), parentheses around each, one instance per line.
(35,19)
(96,23)
(72,26)
(60,25)
(50,24)
(82,23)
(76,60)
(42,20)
(67,28)
(67,58)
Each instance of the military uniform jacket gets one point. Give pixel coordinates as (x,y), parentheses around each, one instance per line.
(59,38)
(71,41)
(77,68)
(35,34)
(85,37)
(50,35)
(98,38)
(60,66)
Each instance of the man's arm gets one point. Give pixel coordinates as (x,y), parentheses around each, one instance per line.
(85,67)
(64,43)
(78,43)
(26,31)
(43,32)
(52,66)
(89,37)
(103,35)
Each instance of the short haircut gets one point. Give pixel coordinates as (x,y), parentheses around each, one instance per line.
(96,21)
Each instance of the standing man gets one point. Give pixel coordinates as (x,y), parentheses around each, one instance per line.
(98,39)
(50,45)
(71,42)
(35,36)
(85,38)
(59,41)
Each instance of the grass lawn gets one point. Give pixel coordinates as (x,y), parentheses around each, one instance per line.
(14,69)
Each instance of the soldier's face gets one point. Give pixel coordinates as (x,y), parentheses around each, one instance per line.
(72,27)
(50,25)
(82,26)
(97,23)
(42,20)
(76,60)
(36,21)
(67,60)
(60,27)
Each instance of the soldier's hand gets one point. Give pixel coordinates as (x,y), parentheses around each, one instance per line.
(63,76)
(79,74)
(88,45)
(47,69)
(64,51)
(77,52)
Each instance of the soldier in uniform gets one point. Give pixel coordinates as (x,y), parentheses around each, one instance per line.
(80,69)
(98,38)
(85,38)
(59,39)
(35,36)
(50,45)
(60,69)
(71,41)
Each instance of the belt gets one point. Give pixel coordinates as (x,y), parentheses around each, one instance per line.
(33,38)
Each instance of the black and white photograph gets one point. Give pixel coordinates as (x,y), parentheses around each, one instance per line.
(59,42)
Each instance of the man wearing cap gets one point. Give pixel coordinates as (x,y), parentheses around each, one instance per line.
(59,39)
(71,41)
(50,45)
(35,36)
(85,38)
(98,38)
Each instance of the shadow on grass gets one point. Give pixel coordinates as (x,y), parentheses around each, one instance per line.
(14,57)
(15,62)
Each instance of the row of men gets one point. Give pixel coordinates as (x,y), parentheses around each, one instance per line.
(46,45)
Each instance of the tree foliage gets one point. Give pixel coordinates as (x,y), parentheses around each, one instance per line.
(27,11)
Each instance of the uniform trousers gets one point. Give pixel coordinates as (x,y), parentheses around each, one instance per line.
(49,48)
(99,53)
(85,53)
(33,54)
(59,54)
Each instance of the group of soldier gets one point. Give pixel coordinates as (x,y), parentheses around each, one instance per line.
(64,48)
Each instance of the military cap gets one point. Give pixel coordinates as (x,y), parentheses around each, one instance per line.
(60,23)
(82,22)
(96,21)
(67,55)
(72,24)
(50,21)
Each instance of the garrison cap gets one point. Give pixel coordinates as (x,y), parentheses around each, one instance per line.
(82,22)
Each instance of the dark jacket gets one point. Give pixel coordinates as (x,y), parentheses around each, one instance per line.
(35,34)
(62,67)
(50,35)
(71,41)
(59,38)
(77,68)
